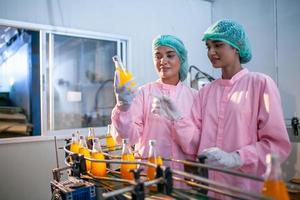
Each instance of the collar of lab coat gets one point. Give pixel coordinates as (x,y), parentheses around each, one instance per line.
(235,78)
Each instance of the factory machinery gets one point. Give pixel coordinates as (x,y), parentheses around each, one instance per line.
(75,182)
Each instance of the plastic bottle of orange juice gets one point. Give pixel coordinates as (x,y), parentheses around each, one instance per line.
(125,75)
(110,142)
(98,168)
(83,150)
(127,155)
(153,157)
(74,144)
(274,185)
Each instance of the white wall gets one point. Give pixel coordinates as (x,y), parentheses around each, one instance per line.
(26,167)
(260,21)
(139,20)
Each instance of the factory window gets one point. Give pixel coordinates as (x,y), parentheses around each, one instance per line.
(56,82)
(78,78)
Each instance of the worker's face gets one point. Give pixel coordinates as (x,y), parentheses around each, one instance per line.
(167,64)
(221,54)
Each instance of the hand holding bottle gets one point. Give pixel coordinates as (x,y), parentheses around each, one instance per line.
(124,94)
(124,85)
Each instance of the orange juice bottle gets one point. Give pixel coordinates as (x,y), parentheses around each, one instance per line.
(98,168)
(83,150)
(74,144)
(127,155)
(124,75)
(274,185)
(90,138)
(110,142)
(154,158)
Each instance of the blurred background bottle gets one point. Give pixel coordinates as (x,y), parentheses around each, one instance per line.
(274,185)
(125,75)
(83,150)
(153,157)
(110,142)
(90,138)
(127,155)
(98,168)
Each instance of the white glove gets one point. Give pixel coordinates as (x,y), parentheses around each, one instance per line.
(219,158)
(124,94)
(164,106)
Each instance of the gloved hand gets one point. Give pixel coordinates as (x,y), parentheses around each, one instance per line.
(219,158)
(164,106)
(125,94)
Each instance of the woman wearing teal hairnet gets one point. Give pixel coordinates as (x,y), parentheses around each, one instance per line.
(238,116)
(132,116)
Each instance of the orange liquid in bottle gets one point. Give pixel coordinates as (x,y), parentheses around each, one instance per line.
(125,168)
(86,153)
(275,189)
(124,75)
(98,168)
(110,142)
(151,171)
(74,148)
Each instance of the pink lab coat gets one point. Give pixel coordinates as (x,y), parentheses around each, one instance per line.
(242,114)
(140,125)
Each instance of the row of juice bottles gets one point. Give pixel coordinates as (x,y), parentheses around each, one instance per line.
(91,148)
(273,187)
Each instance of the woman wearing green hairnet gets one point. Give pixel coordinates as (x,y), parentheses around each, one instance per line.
(238,116)
(132,117)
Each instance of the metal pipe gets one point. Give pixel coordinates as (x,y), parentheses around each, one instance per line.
(219,185)
(228,171)
(129,188)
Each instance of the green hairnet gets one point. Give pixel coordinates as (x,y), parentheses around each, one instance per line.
(233,34)
(176,44)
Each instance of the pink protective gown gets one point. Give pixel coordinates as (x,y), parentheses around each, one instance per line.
(242,114)
(140,125)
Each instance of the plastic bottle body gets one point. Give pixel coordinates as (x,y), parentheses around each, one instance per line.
(83,150)
(275,189)
(110,142)
(127,155)
(153,157)
(74,147)
(151,171)
(98,168)
(274,185)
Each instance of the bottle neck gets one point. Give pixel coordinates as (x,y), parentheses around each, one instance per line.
(97,147)
(91,133)
(273,171)
(152,152)
(125,149)
(82,143)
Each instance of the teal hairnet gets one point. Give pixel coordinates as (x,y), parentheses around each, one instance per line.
(176,44)
(233,34)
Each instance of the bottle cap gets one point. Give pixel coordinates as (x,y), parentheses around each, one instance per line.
(152,142)
(125,141)
(96,140)
(271,158)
